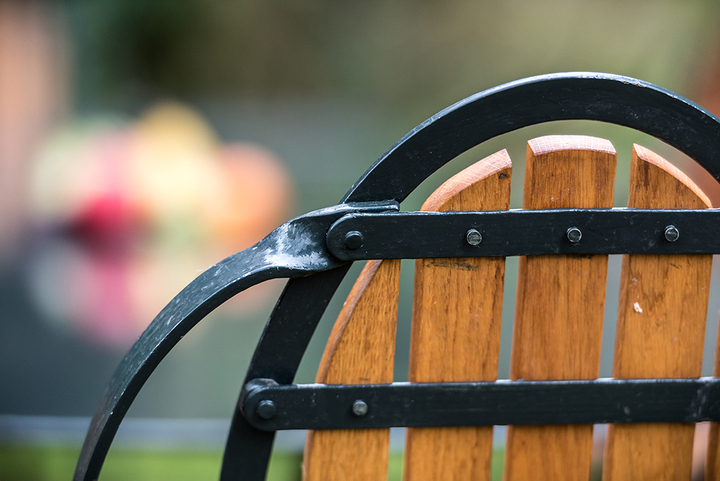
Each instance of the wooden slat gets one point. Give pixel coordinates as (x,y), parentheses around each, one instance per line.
(361,350)
(660,328)
(457,313)
(559,305)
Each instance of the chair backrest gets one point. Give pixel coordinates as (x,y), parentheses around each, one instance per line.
(557,331)
(553,399)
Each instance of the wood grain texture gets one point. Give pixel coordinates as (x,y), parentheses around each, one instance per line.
(457,314)
(660,328)
(559,304)
(361,350)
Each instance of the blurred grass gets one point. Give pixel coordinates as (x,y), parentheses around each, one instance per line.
(51,463)
(56,463)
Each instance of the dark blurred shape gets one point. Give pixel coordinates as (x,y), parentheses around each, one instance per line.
(130,212)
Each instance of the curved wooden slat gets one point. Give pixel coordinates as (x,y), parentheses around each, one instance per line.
(457,311)
(661,327)
(559,304)
(361,350)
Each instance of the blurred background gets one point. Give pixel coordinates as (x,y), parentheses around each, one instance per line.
(143,141)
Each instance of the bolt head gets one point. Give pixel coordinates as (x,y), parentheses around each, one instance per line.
(574,234)
(473,237)
(359,408)
(353,240)
(672,233)
(266,409)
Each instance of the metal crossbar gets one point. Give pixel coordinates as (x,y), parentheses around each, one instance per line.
(269,406)
(418,235)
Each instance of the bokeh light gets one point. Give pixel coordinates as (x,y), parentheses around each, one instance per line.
(129,212)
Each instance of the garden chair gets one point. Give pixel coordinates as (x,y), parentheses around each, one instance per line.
(564,233)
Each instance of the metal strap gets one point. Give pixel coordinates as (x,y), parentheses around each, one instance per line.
(268,406)
(416,235)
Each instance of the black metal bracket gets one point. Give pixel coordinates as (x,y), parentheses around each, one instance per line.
(269,406)
(415,235)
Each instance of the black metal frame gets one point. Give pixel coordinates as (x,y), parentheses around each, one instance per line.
(298,249)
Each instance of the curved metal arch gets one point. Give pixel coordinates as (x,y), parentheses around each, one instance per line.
(603,97)
(570,96)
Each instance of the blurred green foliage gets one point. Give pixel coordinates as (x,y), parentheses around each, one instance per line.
(51,463)
(56,463)
(407,53)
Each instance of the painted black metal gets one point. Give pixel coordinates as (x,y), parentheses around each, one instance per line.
(281,347)
(296,248)
(610,98)
(413,235)
(319,406)
(564,96)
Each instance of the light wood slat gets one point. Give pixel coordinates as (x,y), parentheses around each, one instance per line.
(361,350)
(457,314)
(559,304)
(660,328)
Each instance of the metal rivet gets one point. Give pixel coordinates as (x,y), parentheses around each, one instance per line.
(359,408)
(353,240)
(266,409)
(672,233)
(573,234)
(473,237)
